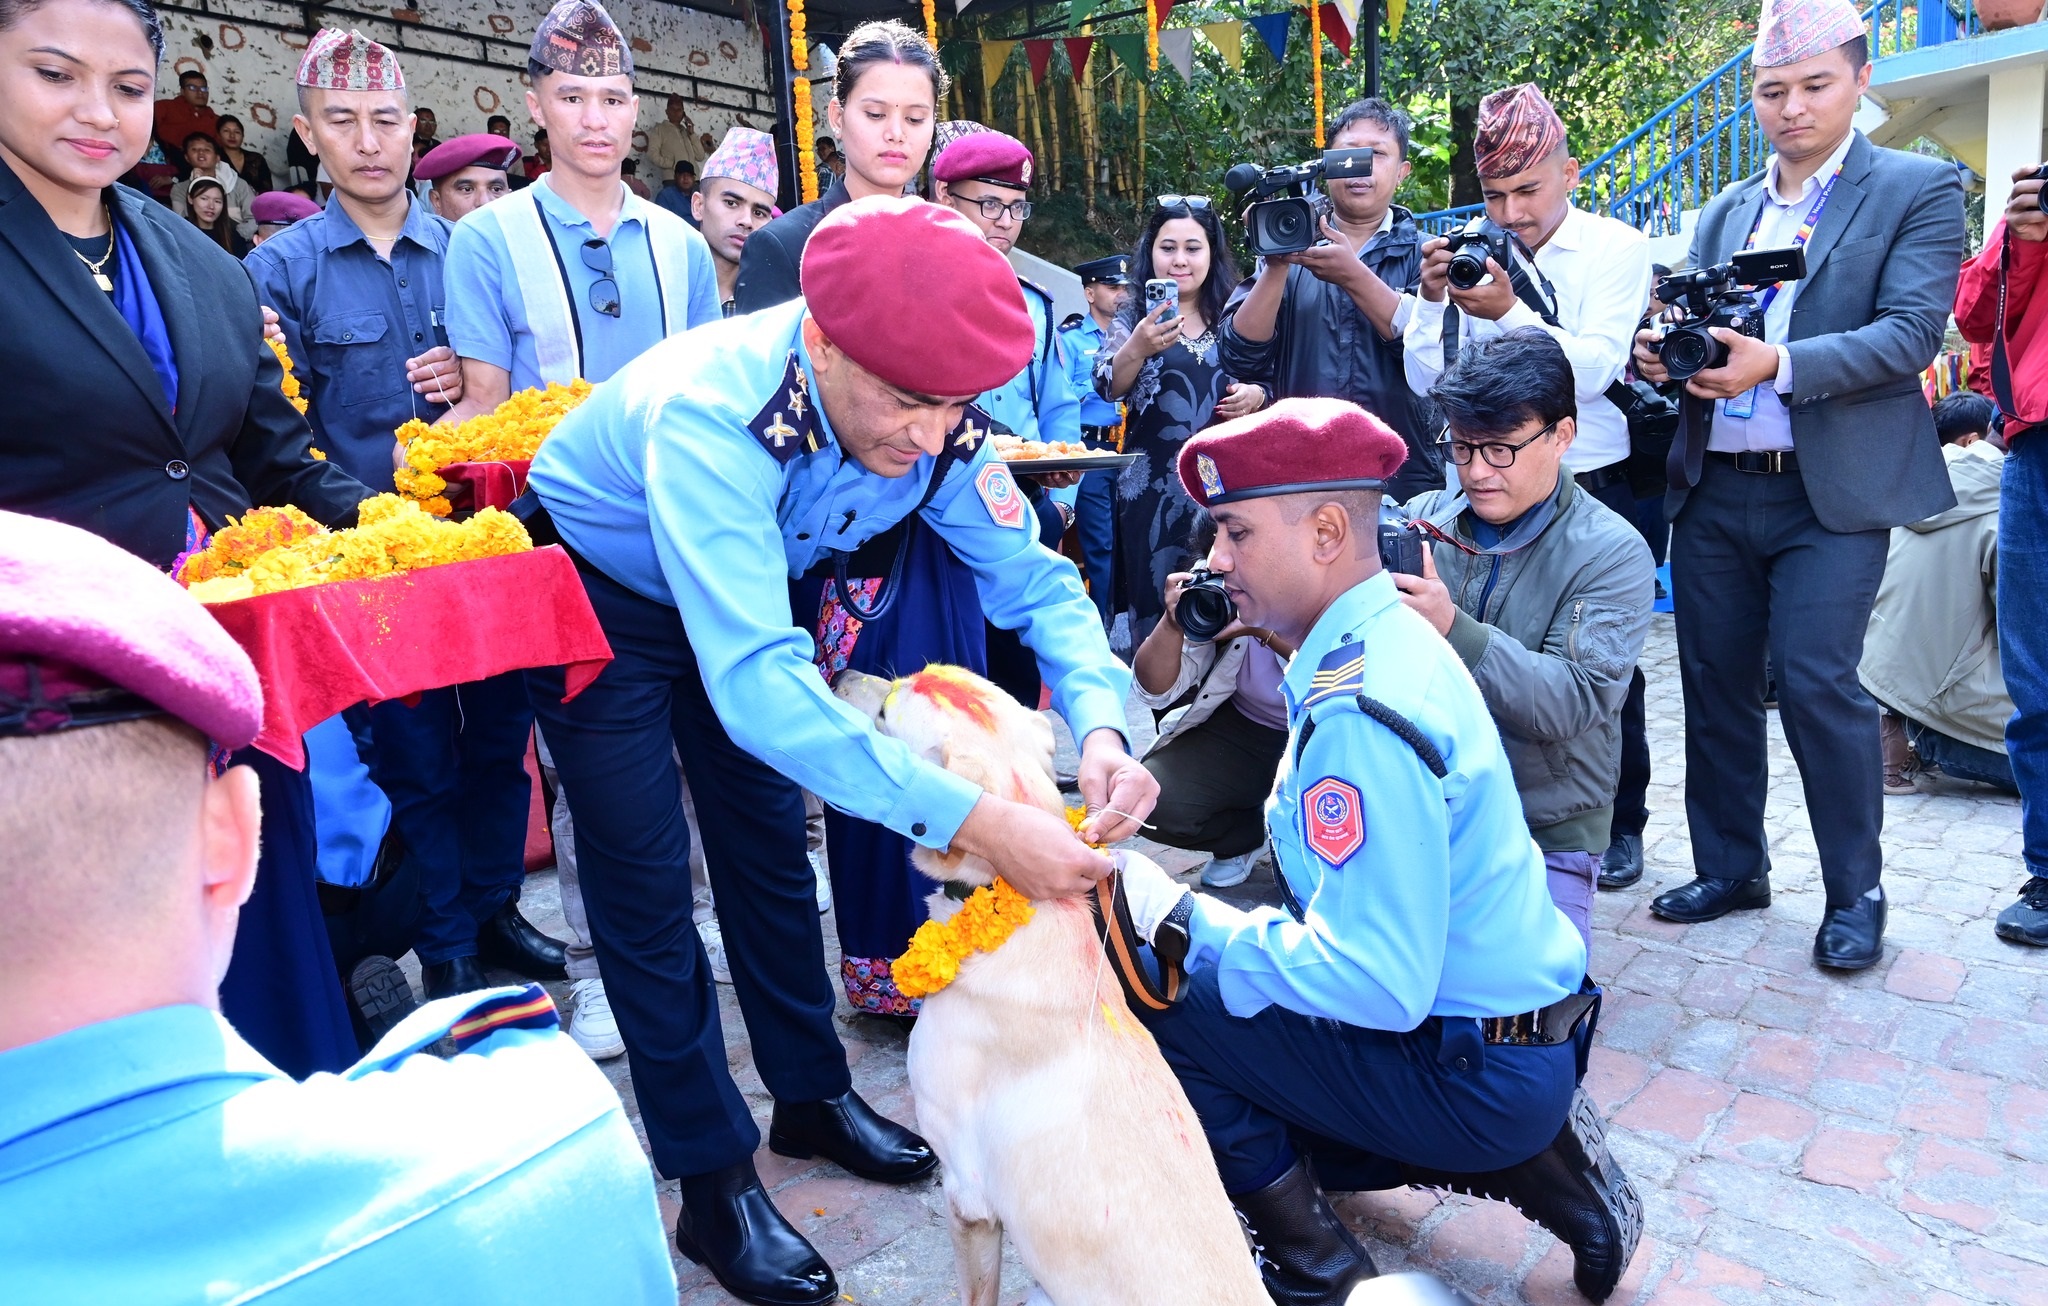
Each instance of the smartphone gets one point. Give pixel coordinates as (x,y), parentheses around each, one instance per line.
(1162,290)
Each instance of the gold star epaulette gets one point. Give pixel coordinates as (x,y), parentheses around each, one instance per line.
(975,426)
(787,424)
(1340,673)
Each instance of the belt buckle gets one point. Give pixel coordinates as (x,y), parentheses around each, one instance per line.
(1761,461)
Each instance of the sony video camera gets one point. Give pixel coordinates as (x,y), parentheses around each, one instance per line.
(1720,296)
(1472,245)
(1282,219)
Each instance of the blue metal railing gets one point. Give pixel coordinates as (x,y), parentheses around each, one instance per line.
(1709,137)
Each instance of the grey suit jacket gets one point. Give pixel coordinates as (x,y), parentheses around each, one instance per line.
(1881,271)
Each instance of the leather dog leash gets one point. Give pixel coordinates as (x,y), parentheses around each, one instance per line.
(1118,935)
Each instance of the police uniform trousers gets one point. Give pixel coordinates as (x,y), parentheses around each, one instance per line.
(1753,572)
(282,992)
(454,767)
(1095,523)
(1270,1087)
(612,749)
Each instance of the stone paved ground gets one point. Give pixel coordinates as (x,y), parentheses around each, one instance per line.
(1798,1137)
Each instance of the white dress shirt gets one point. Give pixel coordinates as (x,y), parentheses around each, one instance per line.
(1600,269)
(1769,424)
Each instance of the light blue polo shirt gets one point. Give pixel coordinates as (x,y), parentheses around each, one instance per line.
(488,318)
(158,1158)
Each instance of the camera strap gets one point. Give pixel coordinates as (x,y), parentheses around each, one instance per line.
(1543,303)
(2001,362)
(1799,238)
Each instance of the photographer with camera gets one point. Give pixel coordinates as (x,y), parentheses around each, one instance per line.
(1797,453)
(1327,320)
(1215,757)
(1543,591)
(2011,276)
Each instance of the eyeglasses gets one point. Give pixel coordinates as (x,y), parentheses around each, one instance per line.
(993,209)
(1191,204)
(604,292)
(1495,454)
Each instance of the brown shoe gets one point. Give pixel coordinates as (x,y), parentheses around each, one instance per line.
(1899,765)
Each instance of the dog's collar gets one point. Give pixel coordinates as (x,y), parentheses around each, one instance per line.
(957,891)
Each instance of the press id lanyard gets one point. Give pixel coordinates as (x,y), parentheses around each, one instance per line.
(1744,404)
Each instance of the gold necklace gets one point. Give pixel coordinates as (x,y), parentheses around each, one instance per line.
(100,278)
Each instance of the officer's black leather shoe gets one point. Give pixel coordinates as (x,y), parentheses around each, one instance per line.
(447,978)
(729,1227)
(1574,1189)
(1622,864)
(846,1131)
(1852,937)
(1709,899)
(381,995)
(1306,1256)
(509,942)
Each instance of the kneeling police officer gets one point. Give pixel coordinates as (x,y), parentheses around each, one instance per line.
(691,488)
(1418,1012)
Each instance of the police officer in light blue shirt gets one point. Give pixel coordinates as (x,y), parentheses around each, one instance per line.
(692,488)
(574,276)
(147,1153)
(1105,281)
(1418,1012)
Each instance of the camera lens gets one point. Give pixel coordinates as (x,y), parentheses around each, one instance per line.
(1467,269)
(1686,351)
(1204,609)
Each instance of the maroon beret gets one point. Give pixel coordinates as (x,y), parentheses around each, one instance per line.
(913,293)
(1296,446)
(281,206)
(988,156)
(476,150)
(88,629)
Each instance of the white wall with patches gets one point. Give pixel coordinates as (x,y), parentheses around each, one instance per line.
(464,59)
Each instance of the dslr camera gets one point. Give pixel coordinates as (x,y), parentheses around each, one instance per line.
(1282,218)
(1205,610)
(1472,245)
(1720,296)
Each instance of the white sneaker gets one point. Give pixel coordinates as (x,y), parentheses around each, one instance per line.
(1225,872)
(592,1025)
(714,948)
(824,880)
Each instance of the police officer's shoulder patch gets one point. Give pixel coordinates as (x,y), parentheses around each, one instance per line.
(975,426)
(1341,673)
(787,424)
(1333,819)
(999,494)
(530,1008)
(1070,321)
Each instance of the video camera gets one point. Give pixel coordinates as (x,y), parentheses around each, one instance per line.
(1720,296)
(1282,219)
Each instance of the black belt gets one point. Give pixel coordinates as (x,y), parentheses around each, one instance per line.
(1546,1027)
(1601,477)
(1760,461)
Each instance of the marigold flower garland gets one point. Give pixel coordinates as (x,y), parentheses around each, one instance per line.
(1152,34)
(984,923)
(291,383)
(272,549)
(931,23)
(1315,61)
(511,432)
(800,103)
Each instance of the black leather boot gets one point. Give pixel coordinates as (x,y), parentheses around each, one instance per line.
(447,978)
(730,1227)
(1574,1189)
(1306,1255)
(1622,864)
(848,1132)
(382,997)
(509,942)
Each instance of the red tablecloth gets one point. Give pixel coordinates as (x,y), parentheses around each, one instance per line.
(326,647)
(484,485)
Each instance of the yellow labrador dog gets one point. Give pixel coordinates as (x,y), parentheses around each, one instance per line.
(1056,1117)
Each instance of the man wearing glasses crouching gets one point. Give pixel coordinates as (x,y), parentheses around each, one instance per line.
(1543,591)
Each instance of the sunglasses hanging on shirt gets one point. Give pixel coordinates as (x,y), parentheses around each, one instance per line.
(604,292)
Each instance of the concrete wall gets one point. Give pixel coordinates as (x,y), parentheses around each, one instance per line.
(464,59)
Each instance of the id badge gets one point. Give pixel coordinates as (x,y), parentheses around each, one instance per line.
(1742,405)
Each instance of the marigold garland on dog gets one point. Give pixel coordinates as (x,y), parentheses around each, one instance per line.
(984,923)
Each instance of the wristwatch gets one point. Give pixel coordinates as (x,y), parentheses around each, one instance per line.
(1170,938)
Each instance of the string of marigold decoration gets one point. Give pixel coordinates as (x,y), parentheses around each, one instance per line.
(800,98)
(270,549)
(511,432)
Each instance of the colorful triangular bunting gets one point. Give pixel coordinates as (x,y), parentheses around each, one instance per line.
(1078,11)
(1228,38)
(1272,29)
(1334,28)
(1039,55)
(994,55)
(1129,50)
(1396,9)
(1177,47)
(1078,50)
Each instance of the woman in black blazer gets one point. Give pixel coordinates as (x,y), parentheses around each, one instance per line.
(143,406)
